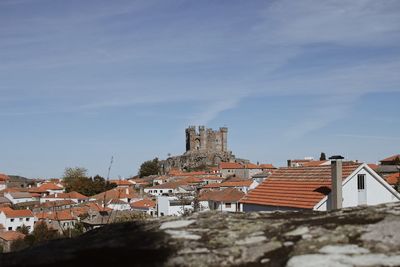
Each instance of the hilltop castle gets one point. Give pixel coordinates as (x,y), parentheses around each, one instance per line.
(204,148)
(206,140)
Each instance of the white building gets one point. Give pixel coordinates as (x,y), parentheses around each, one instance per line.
(117,204)
(73,196)
(15,219)
(222,200)
(19,197)
(173,206)
(310,188)
(147,206)
(169,188)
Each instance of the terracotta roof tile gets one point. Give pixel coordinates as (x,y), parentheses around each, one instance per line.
(4,177)
(301,187)
(144,204)
(70,195)
(226,195)
(11,235)
(267,166)
(392,158)
(393,179)
(230,165)
(10,213)
(62,215)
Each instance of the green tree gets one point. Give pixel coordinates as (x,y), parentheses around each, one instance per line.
(43,233)
(24,229)
(150,167)
(75,179)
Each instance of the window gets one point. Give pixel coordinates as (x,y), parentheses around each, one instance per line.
(160,191)
(361,181)
(27,219)
(170,191)
(227,205)
(9,228)
(12,220)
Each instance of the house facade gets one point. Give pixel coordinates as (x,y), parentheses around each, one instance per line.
(310,188)
(12,220)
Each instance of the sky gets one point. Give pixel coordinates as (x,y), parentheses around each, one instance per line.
(82,81)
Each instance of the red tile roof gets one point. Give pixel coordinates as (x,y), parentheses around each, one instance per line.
(267,166)
(10,213)
(393,179)
(226,195)
(70,195)
(122,182)
(373,166)
(62,215)
(11,235)
(4,177)
(242,183)
(392,158)
(301,187)
(116,193)
(169,185)
(144,204)
(314,163)
(230,165)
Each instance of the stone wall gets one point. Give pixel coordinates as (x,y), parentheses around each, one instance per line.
(363,236)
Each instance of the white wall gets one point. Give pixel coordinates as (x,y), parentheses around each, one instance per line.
(14,223)
(164,207)
(376,189)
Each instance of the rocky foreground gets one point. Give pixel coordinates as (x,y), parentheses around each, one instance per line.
(364,236)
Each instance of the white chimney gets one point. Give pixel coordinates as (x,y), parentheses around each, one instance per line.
(336,175)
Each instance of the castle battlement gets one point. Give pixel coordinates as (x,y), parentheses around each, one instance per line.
(207,141)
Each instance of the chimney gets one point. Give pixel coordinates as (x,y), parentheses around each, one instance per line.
(336,175)
(289,163)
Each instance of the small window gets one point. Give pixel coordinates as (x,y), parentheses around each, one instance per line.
(9,228)
(12,220)
(160,191)
(170,191)
(227,205)
(361,181)
(27,219)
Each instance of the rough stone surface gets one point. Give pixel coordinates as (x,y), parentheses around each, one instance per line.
(363,236)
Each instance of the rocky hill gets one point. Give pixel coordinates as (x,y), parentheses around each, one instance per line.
(363,236)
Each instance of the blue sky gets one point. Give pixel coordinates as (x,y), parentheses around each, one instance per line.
(81,81)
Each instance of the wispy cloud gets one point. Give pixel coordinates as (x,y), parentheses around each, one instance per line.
(376,137)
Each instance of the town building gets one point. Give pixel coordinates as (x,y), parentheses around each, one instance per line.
(222,200)
(8,237)
(310,188)
(13,220)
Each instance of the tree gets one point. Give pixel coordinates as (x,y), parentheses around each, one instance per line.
(24,229)
(76,179)
(43,233)
(150,167)
(323,156)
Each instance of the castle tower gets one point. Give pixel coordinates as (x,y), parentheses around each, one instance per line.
(190,137)
(224,133)
(203,138)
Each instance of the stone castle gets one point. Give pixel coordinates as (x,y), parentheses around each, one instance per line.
(204,148)
(206,140)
